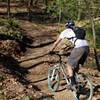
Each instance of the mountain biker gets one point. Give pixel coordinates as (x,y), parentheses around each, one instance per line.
(79,52)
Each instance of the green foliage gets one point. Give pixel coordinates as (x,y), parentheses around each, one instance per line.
(97,28)
(26,98)
(2,21)
(12,23)
(64,8)
(55,8)
(90,35)
(75,9)
(10,28)
(70,9)
(51,9)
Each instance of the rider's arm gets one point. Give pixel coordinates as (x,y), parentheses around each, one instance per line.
(55,44)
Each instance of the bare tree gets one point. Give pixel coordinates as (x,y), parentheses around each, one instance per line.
(46,4)
(79,9)
(30,4)
(91,16)
(8,8)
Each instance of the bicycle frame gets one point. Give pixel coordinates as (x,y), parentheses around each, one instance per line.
(54,79)
(62,65)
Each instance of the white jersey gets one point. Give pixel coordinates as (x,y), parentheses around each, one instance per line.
(69,33)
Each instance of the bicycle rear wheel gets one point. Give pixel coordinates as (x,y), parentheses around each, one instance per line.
(84,87)
(53,78)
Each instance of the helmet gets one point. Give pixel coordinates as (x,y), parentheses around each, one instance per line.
(69,24)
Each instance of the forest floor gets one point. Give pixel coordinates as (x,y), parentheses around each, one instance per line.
(29,78)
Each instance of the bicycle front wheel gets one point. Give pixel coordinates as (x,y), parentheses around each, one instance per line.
(53,78)
(85,88)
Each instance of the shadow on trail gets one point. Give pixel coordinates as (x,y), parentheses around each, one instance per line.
(36,16)
(40,80)
(97,90)
(62,86)
(11,66)
(25,43)
(46,97)
(60,90)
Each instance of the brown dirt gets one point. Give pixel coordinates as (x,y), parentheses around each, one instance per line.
(29,78)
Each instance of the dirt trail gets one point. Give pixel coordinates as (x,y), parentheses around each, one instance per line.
(33,59)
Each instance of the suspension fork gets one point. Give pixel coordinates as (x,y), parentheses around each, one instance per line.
(64,73)
(53,73)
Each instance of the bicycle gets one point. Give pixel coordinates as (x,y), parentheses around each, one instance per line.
(84,85)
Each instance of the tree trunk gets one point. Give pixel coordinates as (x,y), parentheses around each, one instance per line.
(93,31)
(8,8)
(94,39)
(79,9)
(46,4)
(30,3)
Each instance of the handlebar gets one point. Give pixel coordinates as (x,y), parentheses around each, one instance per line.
(59,54)
(55,53)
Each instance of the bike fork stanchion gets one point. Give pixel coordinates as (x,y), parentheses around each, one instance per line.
(65,77)
(52,77)
(76,98)
(75,95)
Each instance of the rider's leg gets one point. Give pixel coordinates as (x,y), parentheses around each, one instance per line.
(70,70)
(71,74)
(76,70)
(72,62)
(74,59)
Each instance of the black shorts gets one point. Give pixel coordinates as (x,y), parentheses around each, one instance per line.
(78,56)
